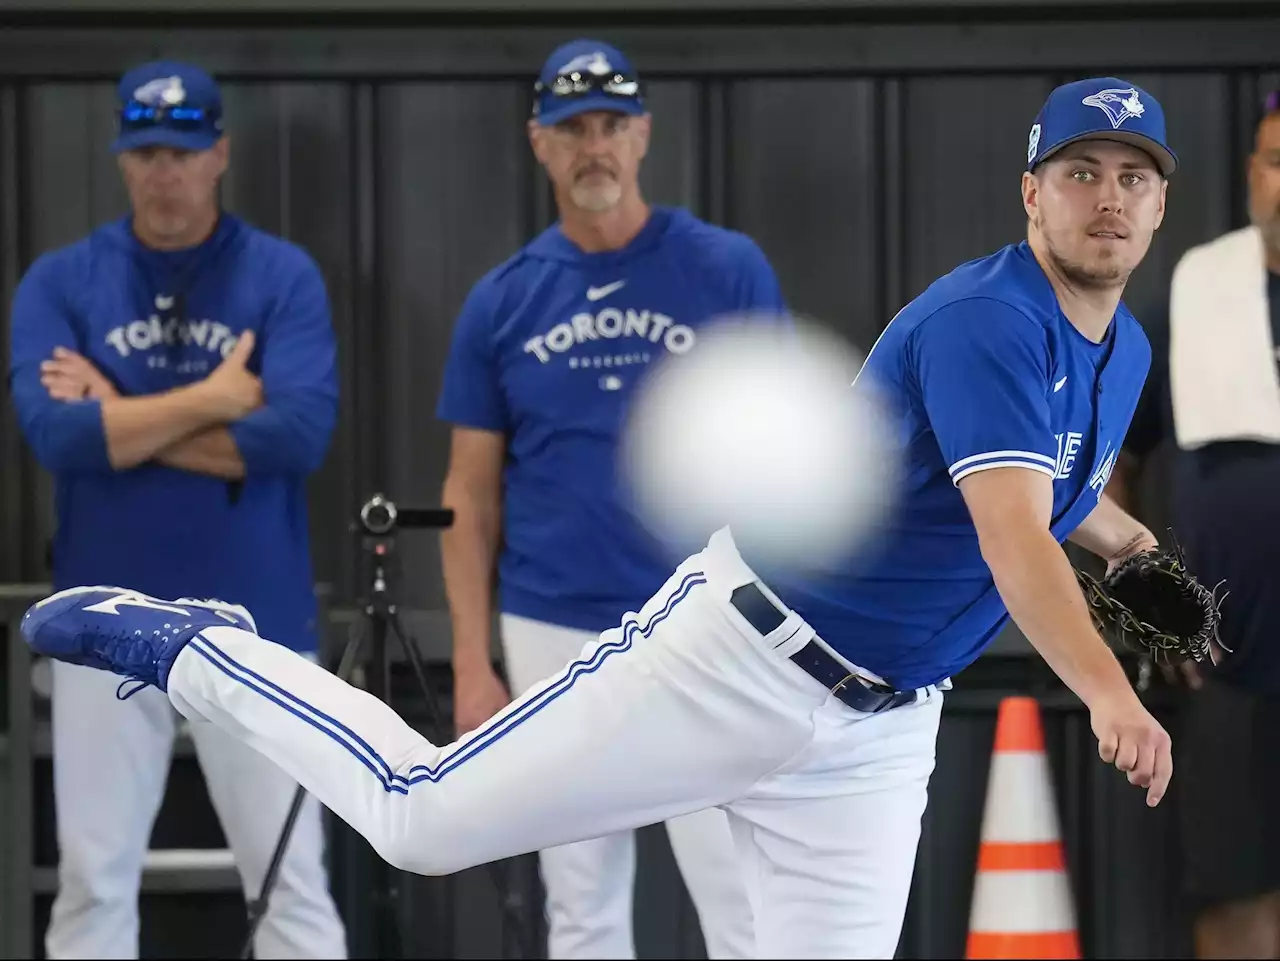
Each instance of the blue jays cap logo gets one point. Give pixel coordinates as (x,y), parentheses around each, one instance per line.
(1118,105)
(596,64)
(163,91)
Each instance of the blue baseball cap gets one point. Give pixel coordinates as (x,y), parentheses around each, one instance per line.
(585,75)
(168,104)
(1102,108)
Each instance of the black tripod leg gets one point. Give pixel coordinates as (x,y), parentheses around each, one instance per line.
(419,669)
(258,908)
(510,901)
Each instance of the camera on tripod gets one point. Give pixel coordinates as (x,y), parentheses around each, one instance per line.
(378,522)
(381,517)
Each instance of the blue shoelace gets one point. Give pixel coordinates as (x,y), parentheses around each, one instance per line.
(132,677)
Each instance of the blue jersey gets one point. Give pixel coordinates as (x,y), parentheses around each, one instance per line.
(151,321)
(548,349)
(982,370)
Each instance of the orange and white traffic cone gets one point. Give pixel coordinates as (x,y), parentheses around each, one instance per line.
(1022,904)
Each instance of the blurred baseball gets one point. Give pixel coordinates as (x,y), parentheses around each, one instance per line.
(758,428)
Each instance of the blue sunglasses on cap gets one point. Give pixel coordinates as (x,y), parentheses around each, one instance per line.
(135,115)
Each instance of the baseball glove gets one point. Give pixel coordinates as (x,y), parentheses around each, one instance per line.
(1151,603)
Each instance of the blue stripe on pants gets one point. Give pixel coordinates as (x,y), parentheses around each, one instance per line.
(482,738)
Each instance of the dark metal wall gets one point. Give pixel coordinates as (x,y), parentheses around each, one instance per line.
(409,176)
(865,158)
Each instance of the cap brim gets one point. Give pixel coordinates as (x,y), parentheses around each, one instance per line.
(165,137)
(571,107)
(1165,159)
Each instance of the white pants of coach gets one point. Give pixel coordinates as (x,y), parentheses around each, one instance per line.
(590,885)
(683,707)
(111,762)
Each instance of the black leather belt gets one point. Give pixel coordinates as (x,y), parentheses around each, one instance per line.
(859,693)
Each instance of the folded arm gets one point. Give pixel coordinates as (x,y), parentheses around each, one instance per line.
(136,429)
(139,428)
(93,434)
(212,452)
(291,431)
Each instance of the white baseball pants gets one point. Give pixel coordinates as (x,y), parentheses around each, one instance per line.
(590,885)
(681,708)
(110,766)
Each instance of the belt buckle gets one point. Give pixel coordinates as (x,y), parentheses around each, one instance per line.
(883,699)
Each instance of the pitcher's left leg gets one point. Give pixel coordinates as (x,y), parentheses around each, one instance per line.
(668,714)
(674,711)
(703,846)
(831,837)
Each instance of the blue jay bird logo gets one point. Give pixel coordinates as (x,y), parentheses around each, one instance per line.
(596,64)
(1118,105)
(161,92)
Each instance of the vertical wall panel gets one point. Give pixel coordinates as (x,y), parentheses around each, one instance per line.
(671,174)
(453,203)
(73,181)
(965,147)
(16,467)
(291,174)
(72,185)
(802,168)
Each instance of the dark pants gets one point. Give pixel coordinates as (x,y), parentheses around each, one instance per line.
(1227,773)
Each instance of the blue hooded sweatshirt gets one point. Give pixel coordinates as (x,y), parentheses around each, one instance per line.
(548,350)
(151,321)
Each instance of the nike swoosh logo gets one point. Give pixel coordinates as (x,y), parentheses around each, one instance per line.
(1058,386)
(595,293)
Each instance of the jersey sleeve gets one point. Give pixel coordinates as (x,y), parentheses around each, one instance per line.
(471,393)
(982,369)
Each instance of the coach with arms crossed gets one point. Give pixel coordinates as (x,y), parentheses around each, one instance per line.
(175,372)
(547,350)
